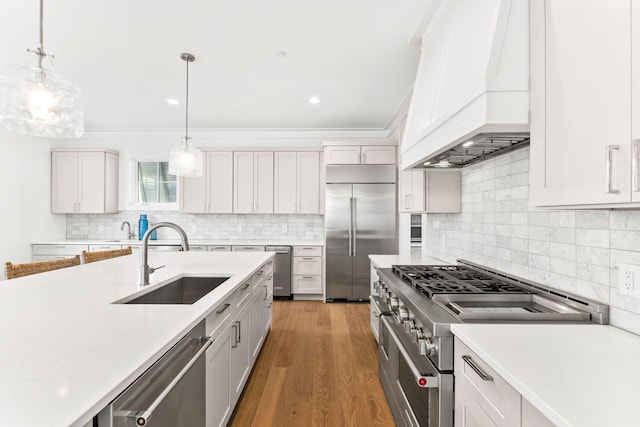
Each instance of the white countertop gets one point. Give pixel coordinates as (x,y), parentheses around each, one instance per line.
(386,261)
(576,375)
(192,242)
(67,351)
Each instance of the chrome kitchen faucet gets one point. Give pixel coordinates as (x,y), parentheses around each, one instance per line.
(144,268)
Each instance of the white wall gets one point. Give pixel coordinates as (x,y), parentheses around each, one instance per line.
(576,251)
(25,194)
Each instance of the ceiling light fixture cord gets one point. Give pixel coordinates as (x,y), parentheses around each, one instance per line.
(186,126)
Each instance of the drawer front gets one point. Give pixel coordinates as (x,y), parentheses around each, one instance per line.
(307,265)
(263,273)
(97,248)
(248,248)
(59,249)
(307,285)
(307,251)
(501,402)
(220,248)
(219,318)
(198,248)
(242,295)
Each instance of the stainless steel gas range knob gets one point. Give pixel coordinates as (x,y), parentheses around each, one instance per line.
(426,347)
(409,325)
(394,302)
(402,315)
(416,335)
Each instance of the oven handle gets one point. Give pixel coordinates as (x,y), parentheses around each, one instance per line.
(142,416)
(423,381)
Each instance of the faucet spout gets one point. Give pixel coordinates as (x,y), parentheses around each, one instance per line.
(129,233)
(144,268)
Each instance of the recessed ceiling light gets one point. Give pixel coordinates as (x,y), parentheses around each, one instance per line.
(314,100)
(468,143)
(281,54)
(173,101)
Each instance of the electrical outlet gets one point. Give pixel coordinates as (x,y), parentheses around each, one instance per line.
(629,280)
(284,228)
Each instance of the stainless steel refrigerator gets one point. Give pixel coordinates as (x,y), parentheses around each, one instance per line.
(360,219)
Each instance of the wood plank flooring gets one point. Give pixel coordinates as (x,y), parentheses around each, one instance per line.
(318,368)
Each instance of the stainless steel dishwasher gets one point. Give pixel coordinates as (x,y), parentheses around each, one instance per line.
(281,271)
(170,393)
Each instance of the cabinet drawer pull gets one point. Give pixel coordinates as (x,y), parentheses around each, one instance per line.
(308,277)
(609,168)
(223,309)
(244,288)
(307,259)
(469,361)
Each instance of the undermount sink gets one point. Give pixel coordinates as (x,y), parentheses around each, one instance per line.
(185,290)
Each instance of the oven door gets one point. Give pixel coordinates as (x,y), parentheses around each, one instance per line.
(418,393)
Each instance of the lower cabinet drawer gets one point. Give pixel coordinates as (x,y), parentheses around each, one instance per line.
(307,285)
(220,248)
(218,319)
(69,250)
(500,402)
(308,266)
(198,248)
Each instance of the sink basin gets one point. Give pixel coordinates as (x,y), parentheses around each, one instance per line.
(186,290)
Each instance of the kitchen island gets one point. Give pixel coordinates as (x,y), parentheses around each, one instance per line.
(68,350)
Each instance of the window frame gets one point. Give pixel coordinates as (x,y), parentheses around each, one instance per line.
(134,190)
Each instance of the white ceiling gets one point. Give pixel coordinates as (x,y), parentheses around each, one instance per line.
(124,54)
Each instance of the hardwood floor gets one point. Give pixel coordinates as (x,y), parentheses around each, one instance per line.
(318,367)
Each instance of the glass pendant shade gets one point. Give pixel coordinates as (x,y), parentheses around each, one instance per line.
(37,101)
(185,160)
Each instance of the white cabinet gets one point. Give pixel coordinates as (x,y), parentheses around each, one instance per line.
(360,154)
(483,398)
(213,191)
(262,281)
(84,181)
(253,182)
(307,270)
(240,352)
(584,68)
(49,252)
(296,182)
(218,387)
(411,193)
(430,191)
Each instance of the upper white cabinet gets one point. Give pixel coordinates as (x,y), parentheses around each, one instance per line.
(253,182)
(360,154)
(296,182)
(472,76)
(430,191)
(213,191)
(585,63)
(411,194)
(84,181)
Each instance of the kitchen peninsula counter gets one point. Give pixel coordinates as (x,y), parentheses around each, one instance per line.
(68,350)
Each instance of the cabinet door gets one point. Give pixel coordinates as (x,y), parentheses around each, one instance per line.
(240,356)
(443,191)
(308,178)
(257,325)
(468,412)
(411,194)
(378,154)
(635,100)
(285,180)
(218,397)
(91,182)
(342,155)
(580,102)
(220,182)
(193,194)
(263,182)
(243,182)
(64,182)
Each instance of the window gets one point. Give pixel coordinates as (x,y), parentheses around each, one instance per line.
(154,183)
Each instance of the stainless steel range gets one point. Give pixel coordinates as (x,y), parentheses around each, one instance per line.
(419,303)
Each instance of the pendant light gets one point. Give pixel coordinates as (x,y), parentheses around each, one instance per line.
(35,100)
(183,159)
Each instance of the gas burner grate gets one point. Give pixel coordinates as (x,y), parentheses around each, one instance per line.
(452,279)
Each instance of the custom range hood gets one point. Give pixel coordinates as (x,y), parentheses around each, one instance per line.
(471,95)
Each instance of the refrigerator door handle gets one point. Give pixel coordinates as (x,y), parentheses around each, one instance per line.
(350,226)
(353,220)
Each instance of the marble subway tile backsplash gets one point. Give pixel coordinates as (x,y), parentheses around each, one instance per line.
(576,251)
(210,227)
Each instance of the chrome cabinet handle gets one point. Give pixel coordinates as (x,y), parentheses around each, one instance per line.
(609,168)
(239,331)
(235,335)
(265,292)
(244,288)
(223,309)
(483,376)
(142,416)
(634,165)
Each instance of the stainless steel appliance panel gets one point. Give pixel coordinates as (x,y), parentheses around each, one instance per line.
(338,226)
(374,211)
(281,270)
